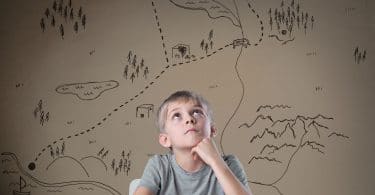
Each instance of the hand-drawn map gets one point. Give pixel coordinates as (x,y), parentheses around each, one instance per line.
(291,83)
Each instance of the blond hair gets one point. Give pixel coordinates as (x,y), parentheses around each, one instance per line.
(178,96)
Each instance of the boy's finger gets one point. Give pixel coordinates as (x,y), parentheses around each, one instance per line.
(194,153)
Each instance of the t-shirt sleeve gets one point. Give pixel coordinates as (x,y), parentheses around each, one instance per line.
(151,175)
(236,167)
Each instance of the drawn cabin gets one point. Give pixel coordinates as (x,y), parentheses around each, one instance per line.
(144,110)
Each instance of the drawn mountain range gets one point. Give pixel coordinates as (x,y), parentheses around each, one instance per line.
(287,132)
(276,139)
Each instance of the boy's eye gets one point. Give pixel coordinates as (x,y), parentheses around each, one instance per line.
(176,115)
(197,112)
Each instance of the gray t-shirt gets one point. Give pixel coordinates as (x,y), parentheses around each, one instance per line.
(162,175)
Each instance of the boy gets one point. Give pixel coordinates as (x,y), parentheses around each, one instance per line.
(194,165)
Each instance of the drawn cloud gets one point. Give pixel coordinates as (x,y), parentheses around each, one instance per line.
(87,91)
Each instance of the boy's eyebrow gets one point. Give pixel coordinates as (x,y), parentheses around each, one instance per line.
(169,111)
(178,108)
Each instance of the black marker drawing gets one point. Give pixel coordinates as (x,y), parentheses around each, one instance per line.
(359,55)
(286,20)
(71,161)
(272,107)
(181,52)
(63,16)
(122,164)
(133,71)
(40,113)
(87,91)
(281,138)
(240,42)
(144,110)
(135,68)
(207,45)
(55,187)
(58,151)
(214,9)
(22,184)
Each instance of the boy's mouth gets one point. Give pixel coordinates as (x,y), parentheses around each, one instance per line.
(191,130)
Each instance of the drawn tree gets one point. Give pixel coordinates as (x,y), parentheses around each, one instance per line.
(120,164)
(66,13)
(61,29)
(145,72)
(63,148)
(42,24)
(47,116)
(53,21)
(113,164)
(134,61)
(126,71)
(71,14)
(298,8)
(84,21)
(132,77)
(202,43)
(142,63)
(54,6)
(100,152)
(80,12)
(123,154)
(137,70)
(364,55)
(210,34)
(57,151)
(129,56)
(75,27)
(60,9)
(105,154)
(47,12)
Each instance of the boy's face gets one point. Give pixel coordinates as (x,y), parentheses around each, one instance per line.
(186,124)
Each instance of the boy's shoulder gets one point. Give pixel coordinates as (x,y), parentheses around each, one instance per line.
(161,159)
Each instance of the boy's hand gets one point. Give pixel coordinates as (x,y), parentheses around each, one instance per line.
(207,151)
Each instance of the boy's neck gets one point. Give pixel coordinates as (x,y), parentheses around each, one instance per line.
(186,161)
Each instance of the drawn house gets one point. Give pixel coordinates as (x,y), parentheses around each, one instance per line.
(144,110)
(180,51)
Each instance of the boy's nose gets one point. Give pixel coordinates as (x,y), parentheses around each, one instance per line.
(192,121)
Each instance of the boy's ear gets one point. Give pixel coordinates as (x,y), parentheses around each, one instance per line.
(213,131)
(164,140)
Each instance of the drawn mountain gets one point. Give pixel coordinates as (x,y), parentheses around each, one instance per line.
(276,139)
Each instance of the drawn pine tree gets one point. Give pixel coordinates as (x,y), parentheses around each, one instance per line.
(84,21)
(71,14)
(80,12)
(47,12)
(75,27)
(61,29)
(53,21)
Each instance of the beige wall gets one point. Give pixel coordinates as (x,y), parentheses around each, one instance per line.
(296,108)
